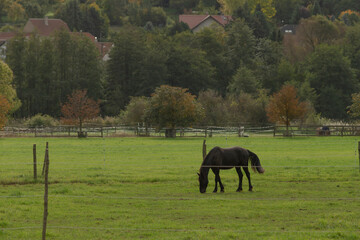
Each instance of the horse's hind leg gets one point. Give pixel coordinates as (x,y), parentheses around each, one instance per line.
(238,170)
(246,170)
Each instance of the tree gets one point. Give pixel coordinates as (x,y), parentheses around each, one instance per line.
(79,108)
(188,67)
(244,81)
(172,107)
(136,67)
(310,33)
(284,106)
(134,112)
(354,108)
(330,73)
(214,107)
(230,6)
(241,44)
(4,109)
(6,87)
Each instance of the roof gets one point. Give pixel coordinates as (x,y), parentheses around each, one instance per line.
(288,29)
(103,47)
(195,20)
(5,36)
(45,26)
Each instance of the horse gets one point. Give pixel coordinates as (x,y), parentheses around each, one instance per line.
(227,158)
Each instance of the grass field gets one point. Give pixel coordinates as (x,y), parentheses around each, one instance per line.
(132,188)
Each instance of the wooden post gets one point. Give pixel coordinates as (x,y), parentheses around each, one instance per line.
(44,165)
(34,158)
(204,149)
(46,191)
(359,154)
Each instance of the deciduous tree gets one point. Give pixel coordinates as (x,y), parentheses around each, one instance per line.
(172,107)
(284,106)
(4,109)
(6,87)
(330,73)
(79,108)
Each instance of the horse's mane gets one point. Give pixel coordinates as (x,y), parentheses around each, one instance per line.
(214,153)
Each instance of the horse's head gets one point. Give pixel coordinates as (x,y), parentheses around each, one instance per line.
(203,182)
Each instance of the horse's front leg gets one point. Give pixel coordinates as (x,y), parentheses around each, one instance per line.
(217,179)
(238,170)
(246,170)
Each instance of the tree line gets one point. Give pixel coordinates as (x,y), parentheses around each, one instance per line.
(235,69)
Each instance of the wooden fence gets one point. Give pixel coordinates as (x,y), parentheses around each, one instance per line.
(242,131)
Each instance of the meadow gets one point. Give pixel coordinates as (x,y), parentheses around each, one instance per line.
(133,188)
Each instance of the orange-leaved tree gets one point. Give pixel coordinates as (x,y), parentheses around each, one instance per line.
(172,107)
(4,109)
(284,106)
(79,108)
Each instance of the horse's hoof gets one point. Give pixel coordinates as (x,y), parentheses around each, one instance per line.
(250,190)
(222,190)
(215,191)
(239,190)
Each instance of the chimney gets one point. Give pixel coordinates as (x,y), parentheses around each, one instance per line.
(46,21)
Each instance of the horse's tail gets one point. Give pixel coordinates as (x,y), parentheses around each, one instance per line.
(255,163)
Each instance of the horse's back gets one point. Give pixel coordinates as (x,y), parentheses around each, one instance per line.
(235,156)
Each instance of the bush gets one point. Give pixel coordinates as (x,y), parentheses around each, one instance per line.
(40,120)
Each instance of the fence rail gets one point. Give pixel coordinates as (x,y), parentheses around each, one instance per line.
(209,131)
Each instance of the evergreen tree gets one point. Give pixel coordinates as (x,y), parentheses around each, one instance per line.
(316,8)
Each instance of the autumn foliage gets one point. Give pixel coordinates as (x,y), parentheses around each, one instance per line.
(79,108)
(284,106)
(173,106)
(4,109)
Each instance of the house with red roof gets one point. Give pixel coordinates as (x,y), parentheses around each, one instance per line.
(45,27)
(198,22)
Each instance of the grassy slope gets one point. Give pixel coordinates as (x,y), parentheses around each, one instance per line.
(126,188)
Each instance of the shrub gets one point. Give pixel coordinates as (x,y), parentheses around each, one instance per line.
(40,120)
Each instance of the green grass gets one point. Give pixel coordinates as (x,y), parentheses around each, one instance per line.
(132,188)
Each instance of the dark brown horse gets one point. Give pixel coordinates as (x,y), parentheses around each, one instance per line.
(227,158)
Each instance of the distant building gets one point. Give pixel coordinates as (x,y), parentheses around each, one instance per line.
(198,22)
(45,27)
(288,29)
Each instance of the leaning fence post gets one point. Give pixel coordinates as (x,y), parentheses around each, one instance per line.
(46,191)
(34,158)
(204,149)
(44,165)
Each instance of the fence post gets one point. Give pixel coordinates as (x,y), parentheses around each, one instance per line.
(274,131)
(359,154)
(204,149)
(34,158)
(46,191)
(44,165)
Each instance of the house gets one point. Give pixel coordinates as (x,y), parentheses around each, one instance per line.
(45,27)
(103,47)
(198,22)
(4,37)
(288,29)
